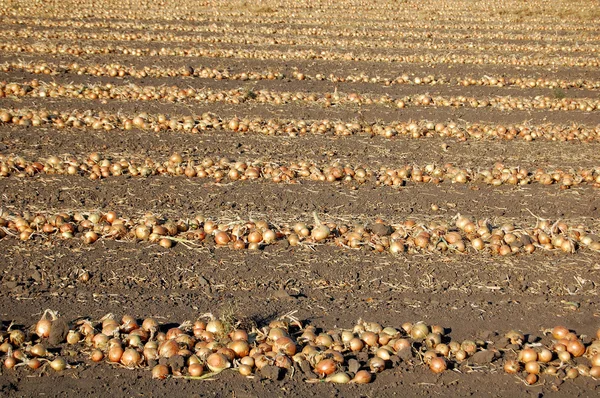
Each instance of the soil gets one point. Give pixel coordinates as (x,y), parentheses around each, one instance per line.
(470,295)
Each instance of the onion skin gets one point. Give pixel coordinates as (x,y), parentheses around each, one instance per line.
(438,365)
(58,364)
(195,370)
(325,367)
(217,362)
(42,328)
(511,366)
(362,377)
(160,372)
(96,355)
(576,348)
(531,379)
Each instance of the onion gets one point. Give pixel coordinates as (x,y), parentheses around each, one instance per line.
(470,347)
(221,238)
(532,367)
(195,370)
(248,360)
(595,360)
(168,348)
(442,349)
(460,355)
(100,341)
(96,355)
(595,372)
(245,370)
(38,350)
(511,366)
(376,364)
(16,337)
(438,365)
(216,327)
(528,355)
(531,379)
(217,362)
(419,331)
(73,337)
(115,353)
(58,364)
(320,231)
(160,372)
(34,363)
(559,332)
(338,378)
(362,377)
(401,344)
(10,362)
(240,347)
(324,340)
(545,355)
(356,344)
(433,339)
(131,357)
(383,353)
(326,367)
(229,353)
(564,356)
(285,345)
(515,337)
(42,327)
(572,373)
(370,339)
(576,348)
(239,334)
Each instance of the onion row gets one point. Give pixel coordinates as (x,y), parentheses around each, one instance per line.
(225,169)
(132,92)
(337,355)
(460,15)
(420,32)
(119,70)
(355,45)
(409,236)
(309,54)
(208,122)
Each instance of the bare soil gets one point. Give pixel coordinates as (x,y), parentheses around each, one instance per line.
(471,295)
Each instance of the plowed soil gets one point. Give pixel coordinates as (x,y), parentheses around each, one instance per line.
(472,295)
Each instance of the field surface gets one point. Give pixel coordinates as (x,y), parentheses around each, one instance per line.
(329,162)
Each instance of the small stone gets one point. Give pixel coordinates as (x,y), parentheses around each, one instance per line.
(58,331)
(176,362)
(483,357)
(270,372)
(353,365)
(11,284)
(502,343)
(362,356)
(281,294)
(36,276)
(305,367)
(405,354)
(380,229)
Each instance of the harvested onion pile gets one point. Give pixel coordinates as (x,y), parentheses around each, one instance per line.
(202,349)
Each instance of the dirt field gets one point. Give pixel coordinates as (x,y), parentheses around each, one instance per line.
(449,149)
